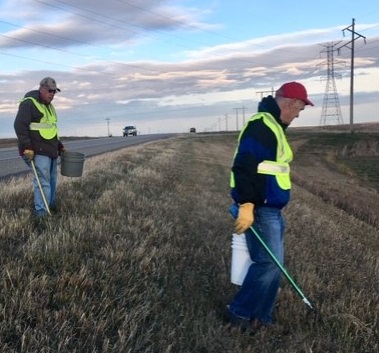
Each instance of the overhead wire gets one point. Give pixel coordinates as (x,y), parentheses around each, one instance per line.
(114,23)
(107,23)
(122,27)
(59,49)
(136,32)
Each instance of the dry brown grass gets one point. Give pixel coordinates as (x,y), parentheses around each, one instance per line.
(342,169)
(138,260)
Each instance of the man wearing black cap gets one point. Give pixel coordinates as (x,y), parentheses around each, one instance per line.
(36,129)
(260,188)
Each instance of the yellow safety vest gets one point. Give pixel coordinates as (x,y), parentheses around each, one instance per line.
(47,126)
(279,168)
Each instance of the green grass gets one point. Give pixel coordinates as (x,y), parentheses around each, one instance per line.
(138,260)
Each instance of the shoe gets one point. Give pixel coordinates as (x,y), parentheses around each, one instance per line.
(54,209)
(39,223)
(237,321)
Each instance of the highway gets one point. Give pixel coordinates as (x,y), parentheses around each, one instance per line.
(12,164)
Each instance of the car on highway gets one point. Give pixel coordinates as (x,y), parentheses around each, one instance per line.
(129,131)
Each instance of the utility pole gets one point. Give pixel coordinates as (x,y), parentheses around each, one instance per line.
(243,115)
(265,92)
(236,109)
(354,37)
(331,106)
(226,122)
(107,119)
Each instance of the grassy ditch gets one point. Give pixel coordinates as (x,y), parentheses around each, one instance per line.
(138,260)
(342,168)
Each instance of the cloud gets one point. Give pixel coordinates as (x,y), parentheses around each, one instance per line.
(91,22)
(91,49)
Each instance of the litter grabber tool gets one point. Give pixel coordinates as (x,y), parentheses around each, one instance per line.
(40,186)
(234,212)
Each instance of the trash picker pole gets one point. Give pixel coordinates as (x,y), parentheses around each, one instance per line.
(40,186)
(234,211)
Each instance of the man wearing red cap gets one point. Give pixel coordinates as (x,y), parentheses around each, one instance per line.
(260,187)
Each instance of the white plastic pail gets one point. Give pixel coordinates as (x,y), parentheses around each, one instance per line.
(241,260)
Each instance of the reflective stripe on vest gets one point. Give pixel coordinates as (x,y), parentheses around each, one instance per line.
(37,126)
(279,168)
(47,126)
(273,168)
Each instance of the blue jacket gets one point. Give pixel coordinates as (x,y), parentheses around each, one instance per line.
(258,143)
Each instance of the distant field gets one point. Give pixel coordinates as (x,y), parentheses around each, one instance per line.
(138,257)
(12,142)
(366,127)
(362,127)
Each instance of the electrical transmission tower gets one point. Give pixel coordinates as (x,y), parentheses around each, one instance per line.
(331,110)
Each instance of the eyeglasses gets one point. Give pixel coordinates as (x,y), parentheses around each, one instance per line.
(52,91)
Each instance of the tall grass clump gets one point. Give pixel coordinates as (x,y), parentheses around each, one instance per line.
(137,259)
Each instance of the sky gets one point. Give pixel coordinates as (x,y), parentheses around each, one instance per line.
(168,65)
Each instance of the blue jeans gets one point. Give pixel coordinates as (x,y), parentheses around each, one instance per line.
(257,295)
(46,168)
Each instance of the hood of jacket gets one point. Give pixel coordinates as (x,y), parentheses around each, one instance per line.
(34,94)
(268,105)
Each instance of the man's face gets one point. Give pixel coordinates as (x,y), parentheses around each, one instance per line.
(291,110)
(47,94)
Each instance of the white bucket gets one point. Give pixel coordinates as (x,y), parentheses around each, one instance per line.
(241,260)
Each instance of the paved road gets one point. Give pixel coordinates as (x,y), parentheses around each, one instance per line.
(11,163)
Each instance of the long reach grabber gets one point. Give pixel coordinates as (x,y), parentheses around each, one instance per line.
(234,212)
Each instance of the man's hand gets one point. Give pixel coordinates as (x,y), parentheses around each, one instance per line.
(245,218)
(29,154)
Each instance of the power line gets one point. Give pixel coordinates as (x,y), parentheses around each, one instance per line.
(122,27)
(69,52)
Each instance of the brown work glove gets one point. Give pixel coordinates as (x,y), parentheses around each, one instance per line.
(29,154)
(245,218)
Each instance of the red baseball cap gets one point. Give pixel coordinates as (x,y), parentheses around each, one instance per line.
(294,90)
